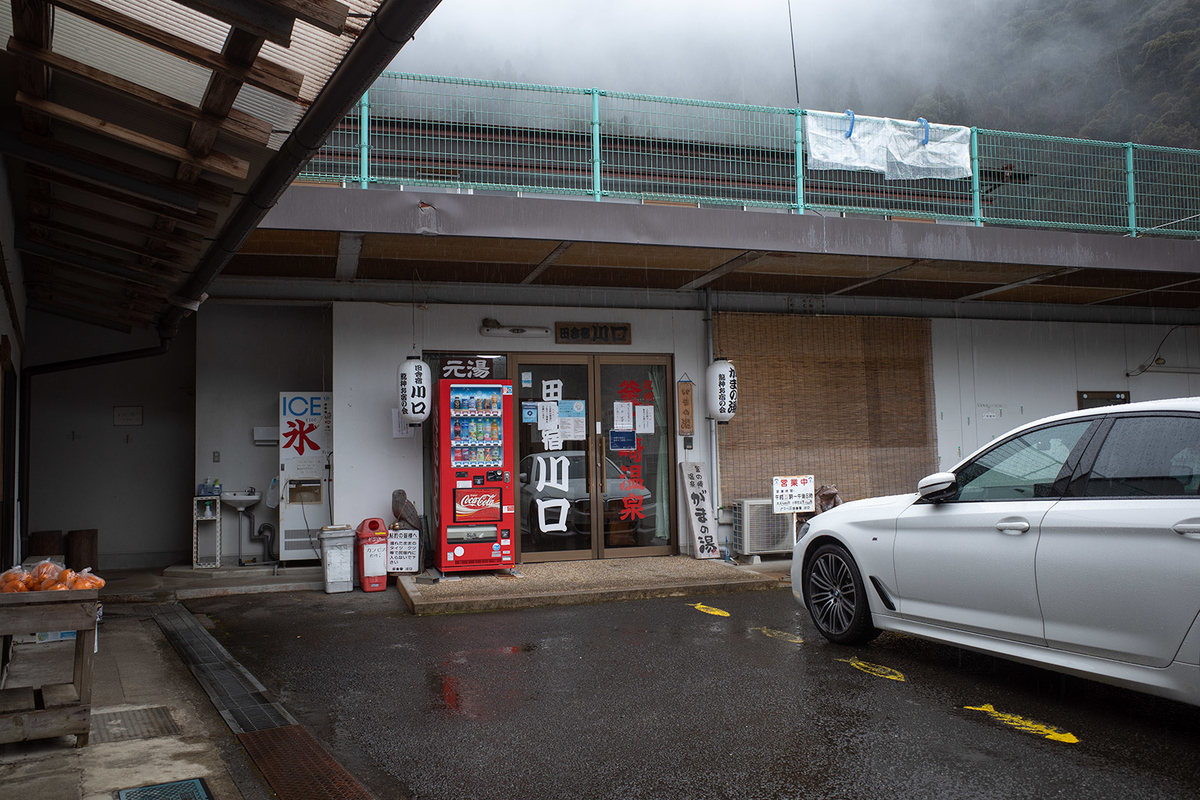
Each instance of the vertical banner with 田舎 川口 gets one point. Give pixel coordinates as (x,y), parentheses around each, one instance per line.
(698,504)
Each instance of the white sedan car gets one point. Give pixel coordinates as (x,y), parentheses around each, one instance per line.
(1072,543)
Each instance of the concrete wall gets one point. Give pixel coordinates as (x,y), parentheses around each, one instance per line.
(991,376)
(131,483)
(370,341)
(245,356)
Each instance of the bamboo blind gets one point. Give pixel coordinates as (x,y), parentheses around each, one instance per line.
(848,400)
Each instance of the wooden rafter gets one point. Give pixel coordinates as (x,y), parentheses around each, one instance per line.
(165,257)
(203,220)
(127,283)
(268,76)
(262,20)
(236,123)
(44,271)
(69,312)
(50,292)
(33,21)
(204,190)
(328,15)
(86,257)
(214,162)
(187,239)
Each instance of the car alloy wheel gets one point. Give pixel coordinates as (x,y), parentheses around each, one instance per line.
(836,598)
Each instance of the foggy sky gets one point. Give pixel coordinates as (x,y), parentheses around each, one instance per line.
(889,50)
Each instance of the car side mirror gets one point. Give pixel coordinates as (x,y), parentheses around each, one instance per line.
(937,487)
(523,477)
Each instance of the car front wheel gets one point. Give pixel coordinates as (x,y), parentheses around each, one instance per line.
(836,598)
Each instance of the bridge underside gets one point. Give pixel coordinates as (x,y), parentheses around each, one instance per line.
(323,243)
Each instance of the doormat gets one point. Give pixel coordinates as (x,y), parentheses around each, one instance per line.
(194,789)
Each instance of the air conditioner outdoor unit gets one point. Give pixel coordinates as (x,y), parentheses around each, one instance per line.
(757,530)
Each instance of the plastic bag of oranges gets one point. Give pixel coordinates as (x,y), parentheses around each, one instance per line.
(15,580)
(86,580)
(45,570)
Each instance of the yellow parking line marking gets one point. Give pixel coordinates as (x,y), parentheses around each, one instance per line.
(774,634)
(716,612)
(1026,725)
(878,670)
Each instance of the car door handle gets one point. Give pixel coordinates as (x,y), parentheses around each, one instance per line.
(1191,530)
(1013,527)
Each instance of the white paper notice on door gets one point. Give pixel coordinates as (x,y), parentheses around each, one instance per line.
(572,419)
(547,416)
(644,417)
(622,416)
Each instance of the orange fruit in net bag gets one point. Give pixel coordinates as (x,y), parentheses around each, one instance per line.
(14,586)
(57,586)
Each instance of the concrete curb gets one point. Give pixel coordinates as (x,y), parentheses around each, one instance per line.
(420,606)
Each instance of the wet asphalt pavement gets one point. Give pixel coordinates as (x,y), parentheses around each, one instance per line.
(661,699)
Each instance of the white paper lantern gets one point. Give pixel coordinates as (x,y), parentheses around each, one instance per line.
(721,379)
(412,386)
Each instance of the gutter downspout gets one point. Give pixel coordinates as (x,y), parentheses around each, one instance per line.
(391,27)
(712,423)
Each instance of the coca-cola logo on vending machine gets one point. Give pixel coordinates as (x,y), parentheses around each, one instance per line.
(476,505)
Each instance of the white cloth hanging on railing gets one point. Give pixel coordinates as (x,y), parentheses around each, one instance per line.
(897,148)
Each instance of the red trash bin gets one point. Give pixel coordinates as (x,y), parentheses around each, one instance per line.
(371,540)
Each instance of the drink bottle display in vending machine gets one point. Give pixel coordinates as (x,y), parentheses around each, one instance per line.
(474,512)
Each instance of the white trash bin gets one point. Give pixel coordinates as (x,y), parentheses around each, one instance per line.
(337,554)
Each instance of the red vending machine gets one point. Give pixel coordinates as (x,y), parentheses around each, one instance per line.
(474,509)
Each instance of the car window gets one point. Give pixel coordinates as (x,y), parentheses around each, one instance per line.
(1147,457)
(1021,468)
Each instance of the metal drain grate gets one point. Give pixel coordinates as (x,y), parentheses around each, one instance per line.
(298,768)
(137,723)
(241,700)
(194,789)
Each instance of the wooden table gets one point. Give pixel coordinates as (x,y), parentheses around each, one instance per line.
(61,709)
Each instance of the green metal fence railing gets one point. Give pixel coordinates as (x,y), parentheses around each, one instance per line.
(417,130)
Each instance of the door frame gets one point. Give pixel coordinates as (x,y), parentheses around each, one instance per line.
(594,361)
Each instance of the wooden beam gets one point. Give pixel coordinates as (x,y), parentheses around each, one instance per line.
(47,292)
(203,220)
(188,239)
(270,77)
(349,248)
(219,96)
(235,123)
(166,257)
(131,284)
(27,151)
(260,19)
(45,272)
(219,163)
(33,23)
(81,316)
(205,191)
(328,15)
(41,246)
(744,260)
(547,262)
